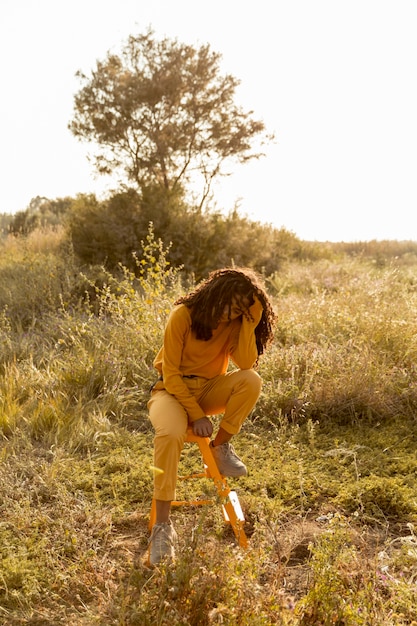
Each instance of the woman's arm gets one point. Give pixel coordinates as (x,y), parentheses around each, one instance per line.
(176,331)
(245,352)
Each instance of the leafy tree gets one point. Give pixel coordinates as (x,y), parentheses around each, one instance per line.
(5,220)
(109,232)
(93,232)
(162,113)
(41,212)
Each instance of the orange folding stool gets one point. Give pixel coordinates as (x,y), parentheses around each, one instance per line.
(232,511)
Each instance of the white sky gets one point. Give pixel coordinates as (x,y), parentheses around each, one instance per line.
(336,80)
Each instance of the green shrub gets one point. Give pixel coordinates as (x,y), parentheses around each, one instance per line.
(379,497)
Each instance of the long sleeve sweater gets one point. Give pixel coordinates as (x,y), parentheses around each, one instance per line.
(182,354)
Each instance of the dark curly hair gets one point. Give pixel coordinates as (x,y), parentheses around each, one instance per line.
(209,299)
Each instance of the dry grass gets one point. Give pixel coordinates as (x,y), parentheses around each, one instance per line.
(330,496)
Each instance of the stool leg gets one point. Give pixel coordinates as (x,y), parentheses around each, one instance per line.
(232,510)
(231,505)
(152,514)
(234,513)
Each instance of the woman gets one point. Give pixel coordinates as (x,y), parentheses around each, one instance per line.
(228,316)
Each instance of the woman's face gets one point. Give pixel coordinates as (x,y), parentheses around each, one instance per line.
(238,307)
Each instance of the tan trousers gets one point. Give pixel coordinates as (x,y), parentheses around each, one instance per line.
(234,394)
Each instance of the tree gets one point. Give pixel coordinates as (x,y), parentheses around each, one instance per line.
(162,113)
(40,213)
(109,232)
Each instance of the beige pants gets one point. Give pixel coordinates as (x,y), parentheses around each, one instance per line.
(233,394)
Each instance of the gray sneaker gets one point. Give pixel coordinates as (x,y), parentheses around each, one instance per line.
(162,543)
(227,460)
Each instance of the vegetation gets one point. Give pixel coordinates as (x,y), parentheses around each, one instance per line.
(330,497)
(110,232)
(162,112)
(85,289)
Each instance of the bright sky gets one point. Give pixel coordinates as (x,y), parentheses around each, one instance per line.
(335,80)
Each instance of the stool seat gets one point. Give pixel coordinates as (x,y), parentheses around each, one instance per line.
(232,511)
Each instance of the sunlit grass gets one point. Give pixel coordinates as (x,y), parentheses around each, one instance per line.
(330,497)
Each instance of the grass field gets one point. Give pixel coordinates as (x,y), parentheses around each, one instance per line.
(330,499)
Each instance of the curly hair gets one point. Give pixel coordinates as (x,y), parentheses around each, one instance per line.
(209,299)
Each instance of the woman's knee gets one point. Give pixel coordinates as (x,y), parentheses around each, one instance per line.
(249,379)
(172,432)
(168,417)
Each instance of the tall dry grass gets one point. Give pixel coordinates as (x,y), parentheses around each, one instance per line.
(330,496)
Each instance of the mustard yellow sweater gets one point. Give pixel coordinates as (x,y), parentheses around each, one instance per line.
(184,355)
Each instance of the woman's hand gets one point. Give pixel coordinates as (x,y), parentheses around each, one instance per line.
(255,311)
(202,427)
